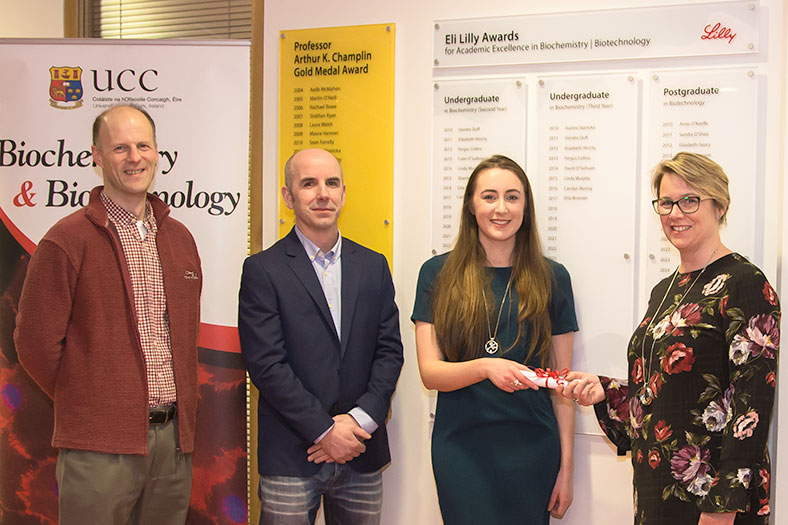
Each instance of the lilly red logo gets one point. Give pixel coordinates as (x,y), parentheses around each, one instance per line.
(718,32)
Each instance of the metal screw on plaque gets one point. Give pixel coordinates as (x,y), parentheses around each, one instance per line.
(518,83)
(434,251)
(437,26)
(626,256)
(435,85)
(388,29)
(751,46)
(651,256)
(386,222)
(436,62)
(281,221)
(655,77)
(750,73)
(541,83)
(631,78)
(751,7)
(282,36)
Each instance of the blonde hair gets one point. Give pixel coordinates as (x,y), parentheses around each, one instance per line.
(701,174)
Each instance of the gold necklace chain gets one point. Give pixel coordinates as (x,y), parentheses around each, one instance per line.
(646,395)
(492,346)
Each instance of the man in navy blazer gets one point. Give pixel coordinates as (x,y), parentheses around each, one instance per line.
(320,336)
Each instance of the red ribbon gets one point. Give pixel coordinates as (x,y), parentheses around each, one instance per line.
(555,374)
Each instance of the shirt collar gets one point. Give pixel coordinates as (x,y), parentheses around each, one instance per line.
(120,215)
(313,251)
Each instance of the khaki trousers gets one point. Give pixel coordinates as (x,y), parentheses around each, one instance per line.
(121,489)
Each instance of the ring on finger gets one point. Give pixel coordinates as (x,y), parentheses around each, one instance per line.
(516,382)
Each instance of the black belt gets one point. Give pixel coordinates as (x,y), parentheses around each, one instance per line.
(162,414)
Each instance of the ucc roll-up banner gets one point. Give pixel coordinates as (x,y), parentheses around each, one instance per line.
(198,94)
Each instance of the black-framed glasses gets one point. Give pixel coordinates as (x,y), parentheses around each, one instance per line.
(687,204)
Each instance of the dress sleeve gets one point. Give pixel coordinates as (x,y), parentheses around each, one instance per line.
(422,309)
(613,413)
(751,324)
(562,304)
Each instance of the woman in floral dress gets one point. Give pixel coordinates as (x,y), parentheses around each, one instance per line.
(695,409)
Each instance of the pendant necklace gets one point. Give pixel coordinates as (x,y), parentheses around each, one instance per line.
(491,346)
(646,395)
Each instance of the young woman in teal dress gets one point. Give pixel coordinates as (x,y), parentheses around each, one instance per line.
(695,409)
(502,449)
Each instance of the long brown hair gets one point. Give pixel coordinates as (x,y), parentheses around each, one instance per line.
(459,314)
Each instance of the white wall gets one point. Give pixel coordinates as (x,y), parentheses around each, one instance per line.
(603,481)
(31,18)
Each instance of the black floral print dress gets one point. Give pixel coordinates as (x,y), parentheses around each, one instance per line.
(695,409)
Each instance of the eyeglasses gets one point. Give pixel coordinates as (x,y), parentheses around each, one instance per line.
(688,204)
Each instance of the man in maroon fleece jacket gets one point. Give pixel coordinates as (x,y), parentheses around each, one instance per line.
(107,326)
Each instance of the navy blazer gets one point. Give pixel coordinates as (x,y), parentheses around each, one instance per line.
(294,357)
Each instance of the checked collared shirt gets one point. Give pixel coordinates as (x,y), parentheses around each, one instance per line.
(138,239)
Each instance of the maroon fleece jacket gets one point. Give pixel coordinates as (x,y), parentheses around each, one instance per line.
(76,330)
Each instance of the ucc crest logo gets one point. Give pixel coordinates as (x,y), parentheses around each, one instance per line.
(65,87)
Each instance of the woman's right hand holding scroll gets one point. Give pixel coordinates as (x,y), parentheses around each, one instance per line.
(506,374)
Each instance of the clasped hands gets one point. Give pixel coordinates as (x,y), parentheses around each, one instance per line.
(342,443)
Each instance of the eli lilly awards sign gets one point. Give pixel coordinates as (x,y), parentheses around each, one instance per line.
(722,28)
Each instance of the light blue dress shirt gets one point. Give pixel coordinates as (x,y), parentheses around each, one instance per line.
(328,268)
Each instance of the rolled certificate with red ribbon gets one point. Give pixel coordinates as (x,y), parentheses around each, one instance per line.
(546,378)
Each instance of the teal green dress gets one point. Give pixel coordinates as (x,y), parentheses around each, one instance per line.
(496,455)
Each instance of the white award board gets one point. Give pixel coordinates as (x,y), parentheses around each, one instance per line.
(472,120)
(587,137)
(714,113)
